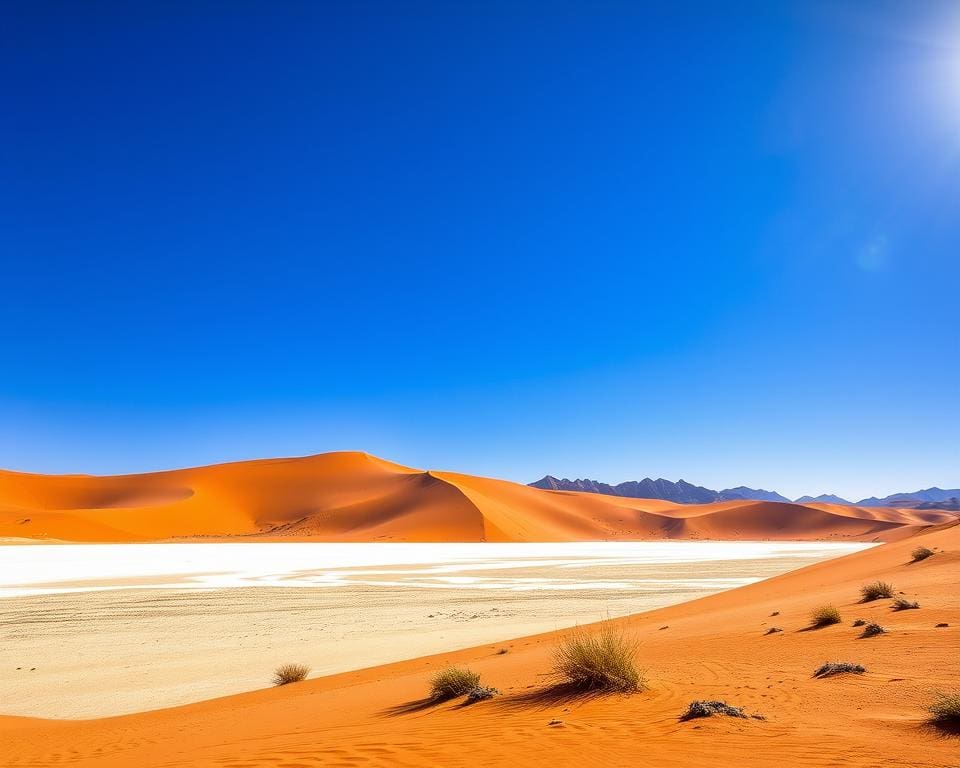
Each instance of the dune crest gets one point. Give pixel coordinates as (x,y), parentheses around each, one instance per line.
(353,496)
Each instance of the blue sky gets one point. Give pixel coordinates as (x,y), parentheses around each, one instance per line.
(710,241)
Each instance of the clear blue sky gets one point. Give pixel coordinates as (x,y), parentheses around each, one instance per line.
(717,241)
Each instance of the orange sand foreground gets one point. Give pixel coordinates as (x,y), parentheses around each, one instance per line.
(713,648)
(357,497)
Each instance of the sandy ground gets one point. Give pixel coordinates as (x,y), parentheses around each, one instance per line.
(715,647)
(93,654)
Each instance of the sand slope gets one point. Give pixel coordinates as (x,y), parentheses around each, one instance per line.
(710,648)
(357,497)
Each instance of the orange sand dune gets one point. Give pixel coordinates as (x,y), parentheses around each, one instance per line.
(357,497)
(713,648)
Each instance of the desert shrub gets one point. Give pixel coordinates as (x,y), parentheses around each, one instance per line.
(921,553)
(872,629)
(824,616)
(602,660)
(290,673)
(480,693)
(902,604)
(773,630)
(875,591)
(709,708)
(838,668)
(859,622)
(453,681)
(946,709)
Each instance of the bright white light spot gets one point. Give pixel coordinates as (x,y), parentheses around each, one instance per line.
(874,256)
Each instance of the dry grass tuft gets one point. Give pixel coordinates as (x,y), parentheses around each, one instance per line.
(602,659)
(290,673)
(773,630)
(876,591)
(872,629)
(709,708)
(946,709)
(831,668)
(902,604)
(859,622)
(481,693)
(453,681)
(921,553)
(824,616)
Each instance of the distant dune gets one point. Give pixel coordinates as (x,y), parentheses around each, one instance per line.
(351,496)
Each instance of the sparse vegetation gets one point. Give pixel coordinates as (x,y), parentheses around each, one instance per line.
(773,630)
(453,681)
(290,673)
(872,629)
(501,651)
(902,604)
(921,553)
(946,709)
(603,659)
(876,591)
(824,616)
(859,622)
(710,708)
(831,668)
(481,693)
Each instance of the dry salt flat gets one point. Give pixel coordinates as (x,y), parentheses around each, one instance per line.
(91,630)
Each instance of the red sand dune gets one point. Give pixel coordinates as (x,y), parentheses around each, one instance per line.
(357,497)
(713,648)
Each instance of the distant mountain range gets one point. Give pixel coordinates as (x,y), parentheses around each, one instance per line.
(683,492)
(823,498)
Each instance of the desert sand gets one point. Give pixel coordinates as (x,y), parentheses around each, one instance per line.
(351,496)
(84,654)
(712,648)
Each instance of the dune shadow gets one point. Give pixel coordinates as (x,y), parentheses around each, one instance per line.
(410,707)
(551,695)
(950,730)
(815,627)
(468,702)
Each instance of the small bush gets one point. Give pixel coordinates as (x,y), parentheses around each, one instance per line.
(921,553)
(598,660)
(824,616)
(902,604)
(453,681)
(480,693)
(872,630)
(946,709)
(859,623)
(710,708)
(876,591)
(831,668)
(290,673)
(773,630)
